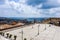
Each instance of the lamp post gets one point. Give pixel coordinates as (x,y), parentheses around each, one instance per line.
(21,34)
(38,29)
(45,27)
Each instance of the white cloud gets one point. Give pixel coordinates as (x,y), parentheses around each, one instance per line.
(20,9)
(6,5)
(53,12)
(52,3)
(11,9)
(24,9)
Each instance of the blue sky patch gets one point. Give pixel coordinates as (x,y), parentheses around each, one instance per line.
(2,2)
(14,0)
(35,2)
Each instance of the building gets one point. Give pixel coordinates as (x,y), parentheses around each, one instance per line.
(55,21)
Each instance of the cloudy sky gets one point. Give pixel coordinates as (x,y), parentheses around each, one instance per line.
(30,8)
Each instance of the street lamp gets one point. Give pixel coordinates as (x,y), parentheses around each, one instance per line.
(38,29)
(21,33)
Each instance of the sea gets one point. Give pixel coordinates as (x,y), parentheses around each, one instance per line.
(28,19)
(31,19)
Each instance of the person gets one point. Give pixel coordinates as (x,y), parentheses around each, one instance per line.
(15,37)
(7,35)
(2,34)
(49,25)
(25,39)
(59,23)
(10,36)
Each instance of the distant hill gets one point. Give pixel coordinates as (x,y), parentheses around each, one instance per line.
(24,20)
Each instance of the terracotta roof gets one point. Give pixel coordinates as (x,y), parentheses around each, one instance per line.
(6,26)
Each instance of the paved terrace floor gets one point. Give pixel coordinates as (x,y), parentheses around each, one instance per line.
(3,38)
(46,32)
